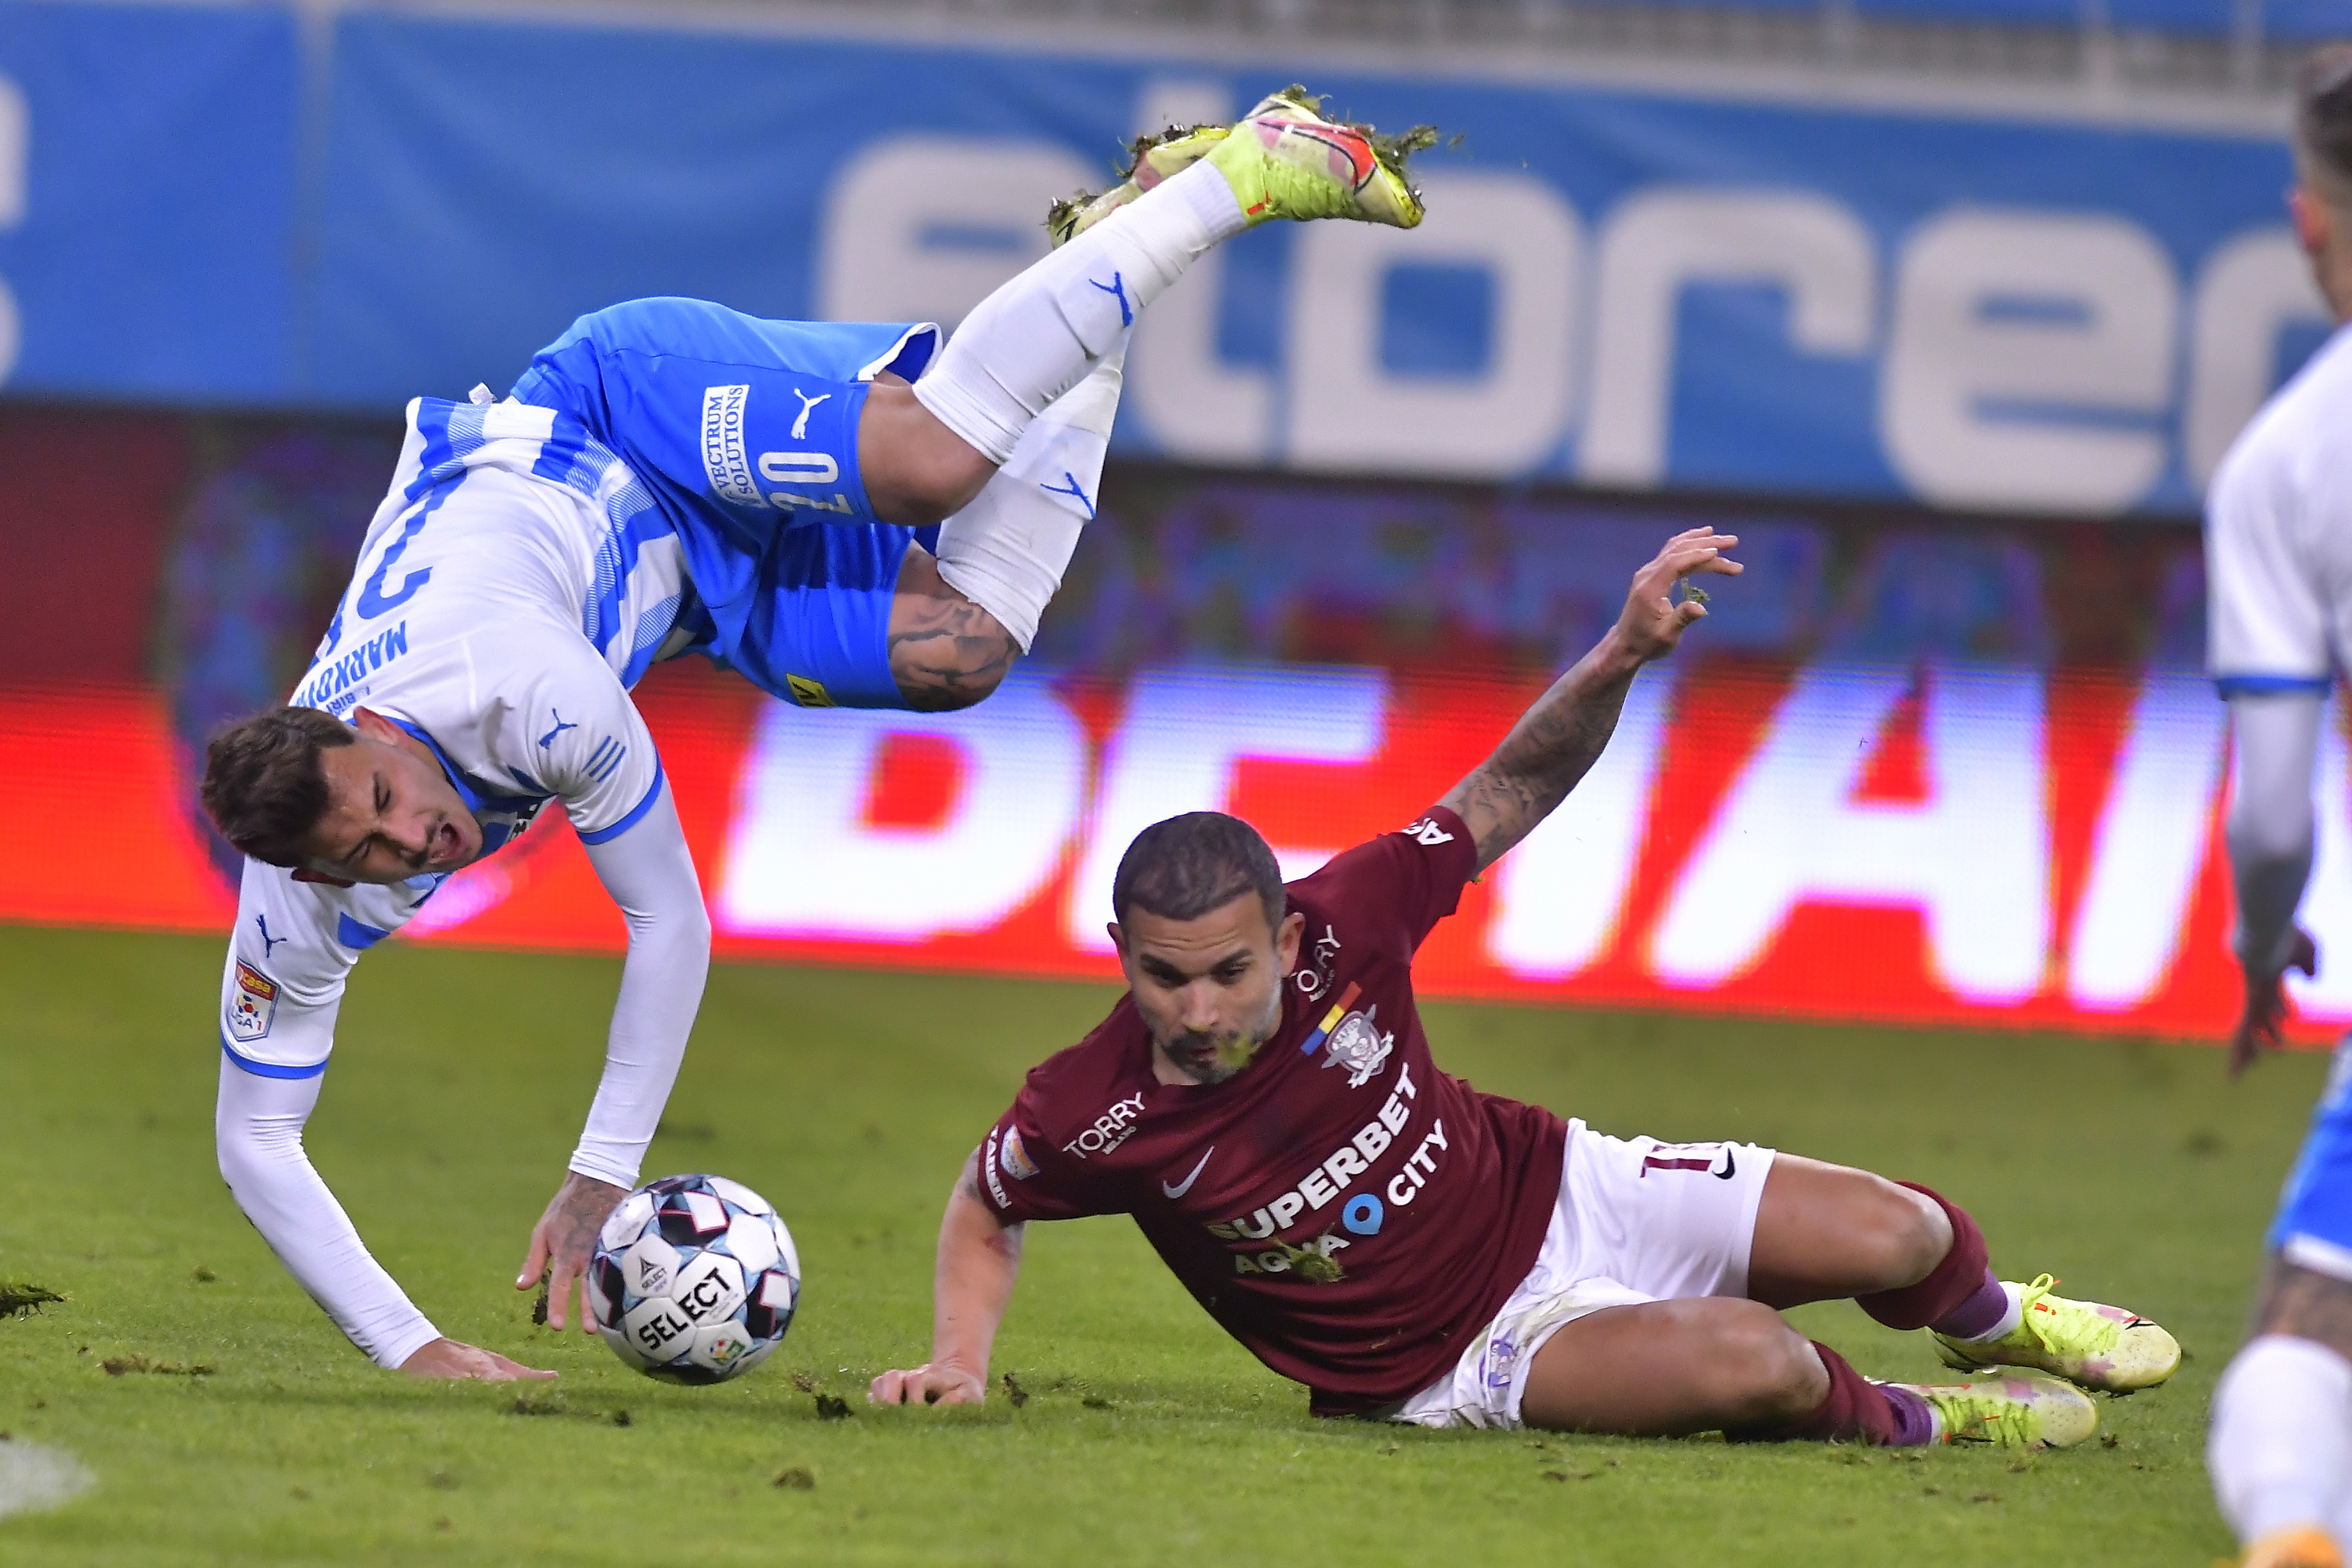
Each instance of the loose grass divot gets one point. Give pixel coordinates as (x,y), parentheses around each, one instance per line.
(22,1300)
(119,1365)
(832,1407)
(795,1478)
(1014,1392)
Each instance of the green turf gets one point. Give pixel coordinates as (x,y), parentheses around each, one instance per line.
(2132,1171)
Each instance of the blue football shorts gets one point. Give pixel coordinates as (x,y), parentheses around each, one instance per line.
(745,430)
(2314,1228)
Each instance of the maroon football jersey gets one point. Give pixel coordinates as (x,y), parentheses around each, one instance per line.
(1347,1211)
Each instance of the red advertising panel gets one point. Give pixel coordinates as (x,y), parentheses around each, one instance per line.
(1956,844)
(1909,768)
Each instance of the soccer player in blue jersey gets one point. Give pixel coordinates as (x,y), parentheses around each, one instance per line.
(2279,558)
(848,514)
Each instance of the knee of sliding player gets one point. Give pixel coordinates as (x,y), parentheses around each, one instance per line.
(1766,1370)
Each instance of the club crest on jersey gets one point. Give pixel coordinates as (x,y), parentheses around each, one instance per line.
(1360,1045)
(252,1003)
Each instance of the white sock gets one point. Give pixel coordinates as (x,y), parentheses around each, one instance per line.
(1007,551)
(1037,336)
(2280,1440)
(2009,1320)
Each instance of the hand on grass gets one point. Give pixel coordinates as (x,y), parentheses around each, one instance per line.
(945,1384)
(1653,622)
(563,1240)
(2262,1021)
(447,1358)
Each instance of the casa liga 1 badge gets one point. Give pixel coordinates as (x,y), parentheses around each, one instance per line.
(254,1004)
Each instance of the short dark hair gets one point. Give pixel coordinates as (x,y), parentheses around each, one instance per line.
(2322,120)
(264,786)
(1186,866)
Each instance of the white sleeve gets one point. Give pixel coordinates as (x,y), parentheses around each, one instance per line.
(288,955)
(2267,629)
(283,982)
(2276,737)
(647,869)
(257,1131)
(586,744)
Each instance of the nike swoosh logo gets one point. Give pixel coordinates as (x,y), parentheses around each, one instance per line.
(1730,1166)
(1179,1190)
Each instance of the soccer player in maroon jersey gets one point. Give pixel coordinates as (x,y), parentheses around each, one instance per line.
(1264,1104)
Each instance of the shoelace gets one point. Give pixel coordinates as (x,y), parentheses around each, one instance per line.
(1984,1418)
(2065,1329)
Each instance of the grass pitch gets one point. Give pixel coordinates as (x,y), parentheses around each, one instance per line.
(2131,1171)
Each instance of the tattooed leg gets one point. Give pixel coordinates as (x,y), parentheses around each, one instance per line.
(946,652)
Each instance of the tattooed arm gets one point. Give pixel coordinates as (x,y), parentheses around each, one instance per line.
(946,652)
(1557,741)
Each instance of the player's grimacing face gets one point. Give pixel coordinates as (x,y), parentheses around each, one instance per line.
(1210,990)
(391,813)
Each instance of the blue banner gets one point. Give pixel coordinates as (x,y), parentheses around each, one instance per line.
(147,179)
(1630,290)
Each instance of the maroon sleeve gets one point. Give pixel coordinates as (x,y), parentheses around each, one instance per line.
(1023,1176)
(1394,888)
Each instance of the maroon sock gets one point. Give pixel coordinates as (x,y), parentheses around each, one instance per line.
(1953,1291)
(1856,1410)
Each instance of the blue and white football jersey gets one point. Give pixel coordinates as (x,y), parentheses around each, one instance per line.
(2278,537)
(516,582)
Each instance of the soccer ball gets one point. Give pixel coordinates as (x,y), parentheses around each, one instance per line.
(694,1279)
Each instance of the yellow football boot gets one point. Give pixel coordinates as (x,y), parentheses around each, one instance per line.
(2009,1412)
(2303,1546)
(1284,160)
(2101,1347)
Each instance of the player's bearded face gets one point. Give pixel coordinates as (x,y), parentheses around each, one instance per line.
(1208,990)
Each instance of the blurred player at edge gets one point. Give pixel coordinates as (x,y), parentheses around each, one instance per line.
(671,476)
(2278,553)
(1264,1102)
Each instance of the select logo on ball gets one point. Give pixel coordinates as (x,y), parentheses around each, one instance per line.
(694,1279)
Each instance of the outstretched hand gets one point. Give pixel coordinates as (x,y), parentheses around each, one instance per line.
(447,1358)
(563,1241)
(1654,621)
(945,1384)
(2262,1021)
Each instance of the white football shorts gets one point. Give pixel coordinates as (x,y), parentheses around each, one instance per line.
(1636,1220)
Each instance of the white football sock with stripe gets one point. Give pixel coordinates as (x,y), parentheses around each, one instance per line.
(2280,1446)
(1041,333)
(1007,551)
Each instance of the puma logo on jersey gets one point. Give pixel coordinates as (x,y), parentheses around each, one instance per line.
(547,740)
(1428,834)
(799,426)
(268,943)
